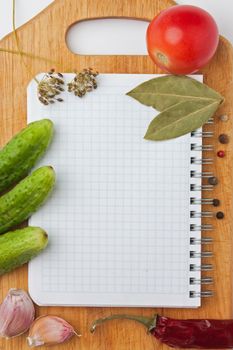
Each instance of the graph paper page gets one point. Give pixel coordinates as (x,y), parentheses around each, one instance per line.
(119,217)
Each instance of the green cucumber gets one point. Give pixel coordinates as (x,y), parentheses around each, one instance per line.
(20,246)
(25,198)
(22,152)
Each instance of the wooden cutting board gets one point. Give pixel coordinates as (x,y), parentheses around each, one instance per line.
(45,36)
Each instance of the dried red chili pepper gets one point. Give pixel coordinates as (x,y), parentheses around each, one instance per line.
(199,334)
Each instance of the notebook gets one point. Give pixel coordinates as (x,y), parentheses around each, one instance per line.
(119,225)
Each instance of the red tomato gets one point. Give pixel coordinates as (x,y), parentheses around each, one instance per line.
(182,39)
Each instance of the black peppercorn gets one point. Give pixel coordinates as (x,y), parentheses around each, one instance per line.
(216,202)
(223,138)
(213,180)
(220,215)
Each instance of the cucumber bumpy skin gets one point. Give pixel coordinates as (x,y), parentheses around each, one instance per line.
(25,198)
(22,152)
(20,246)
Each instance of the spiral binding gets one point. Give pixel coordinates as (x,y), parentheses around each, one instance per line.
(204,227)
(204,174)
(202,267)
(203,240)
(194,187)
(201,201)
(197,162)
(205,293)
(203,280)
(194,254)
(202,214)
(195,147)
(202,134)
(210,121)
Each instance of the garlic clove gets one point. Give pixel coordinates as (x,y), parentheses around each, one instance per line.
(17,313)
(49,330)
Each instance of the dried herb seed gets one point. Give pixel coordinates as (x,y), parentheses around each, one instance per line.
(50,87)
(83,82)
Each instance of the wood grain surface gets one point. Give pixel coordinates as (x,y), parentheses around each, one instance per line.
(45,36)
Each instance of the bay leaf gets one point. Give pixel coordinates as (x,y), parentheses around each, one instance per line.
(166,91)
(181,119)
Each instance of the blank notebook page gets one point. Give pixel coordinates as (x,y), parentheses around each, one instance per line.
(119,217)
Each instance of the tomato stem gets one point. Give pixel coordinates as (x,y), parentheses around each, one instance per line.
(162,58)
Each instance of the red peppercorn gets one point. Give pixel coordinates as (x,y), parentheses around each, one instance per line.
(221,154)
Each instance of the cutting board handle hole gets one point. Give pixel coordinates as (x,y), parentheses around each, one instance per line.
(107,36)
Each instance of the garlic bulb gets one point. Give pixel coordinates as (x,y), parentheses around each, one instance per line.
(49,330)
(17,313)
